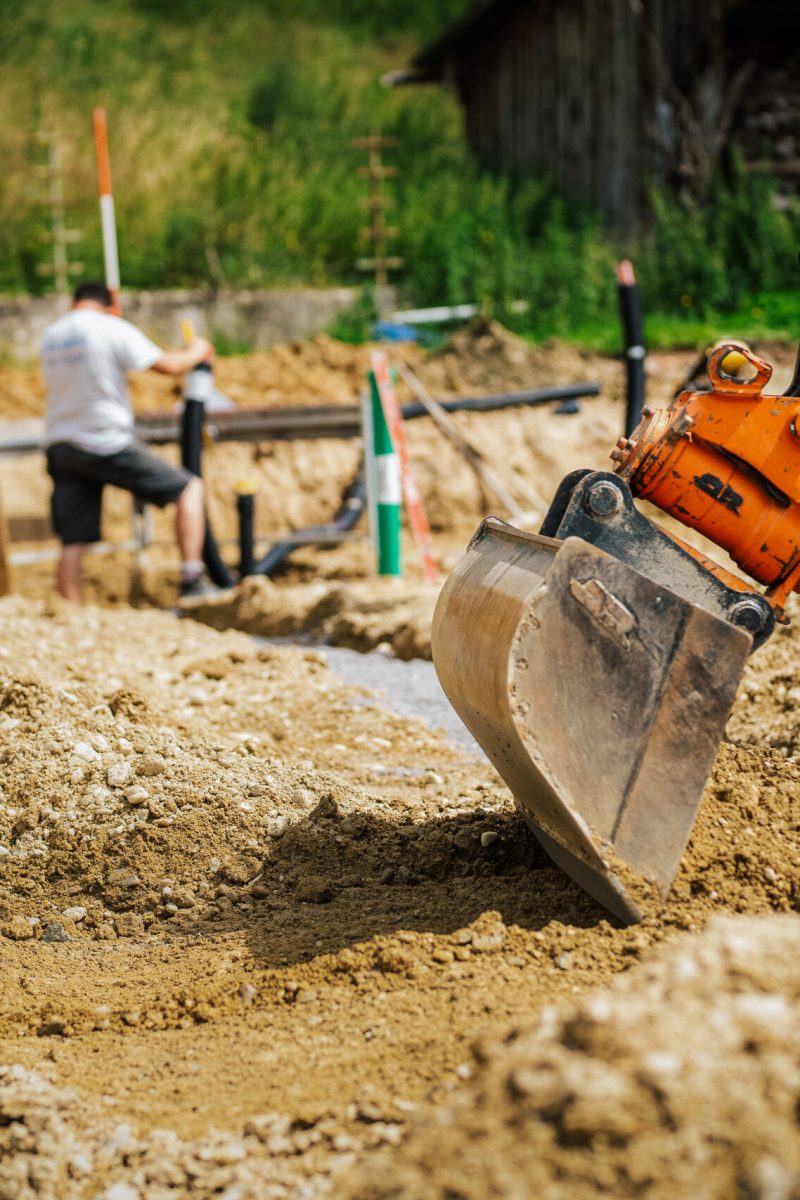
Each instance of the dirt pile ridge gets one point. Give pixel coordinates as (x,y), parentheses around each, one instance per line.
(632,1092)
(682,1079)
(390,613)
(164,799)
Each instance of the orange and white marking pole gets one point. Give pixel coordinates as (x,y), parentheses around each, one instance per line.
(107,217)
(417,517)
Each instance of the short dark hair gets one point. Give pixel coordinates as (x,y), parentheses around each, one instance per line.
(93,289)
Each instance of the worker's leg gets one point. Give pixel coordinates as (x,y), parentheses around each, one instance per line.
(75,508)
(158,482)
(155,481)
(190,522)
(68,573)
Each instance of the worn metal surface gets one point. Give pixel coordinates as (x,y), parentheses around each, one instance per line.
(599,695)
(598,507)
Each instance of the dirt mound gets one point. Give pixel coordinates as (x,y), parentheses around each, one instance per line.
(103,807)
(390,613)
(160,789)
(45,1154)
(682,1080)
(679,1080)
(486,357)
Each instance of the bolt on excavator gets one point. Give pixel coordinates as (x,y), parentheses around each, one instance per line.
(597,661)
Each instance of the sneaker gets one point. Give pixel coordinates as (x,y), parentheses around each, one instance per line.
(199,588)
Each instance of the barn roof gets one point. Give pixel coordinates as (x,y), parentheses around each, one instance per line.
(481,16)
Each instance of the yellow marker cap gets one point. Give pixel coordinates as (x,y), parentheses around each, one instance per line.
(246,487)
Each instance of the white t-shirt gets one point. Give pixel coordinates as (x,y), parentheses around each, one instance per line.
(85,357)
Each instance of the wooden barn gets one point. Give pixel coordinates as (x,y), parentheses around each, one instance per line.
(607,96)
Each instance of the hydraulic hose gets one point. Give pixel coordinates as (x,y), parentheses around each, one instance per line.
(794,387)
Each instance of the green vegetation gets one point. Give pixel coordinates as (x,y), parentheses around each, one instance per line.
(232,134)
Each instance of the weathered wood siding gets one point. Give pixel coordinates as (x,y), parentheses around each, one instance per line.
(583,91)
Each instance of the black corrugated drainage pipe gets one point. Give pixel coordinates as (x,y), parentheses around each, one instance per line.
(347,517)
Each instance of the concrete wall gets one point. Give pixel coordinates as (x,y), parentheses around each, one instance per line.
(256,319)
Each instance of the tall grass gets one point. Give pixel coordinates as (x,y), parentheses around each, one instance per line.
(232,139)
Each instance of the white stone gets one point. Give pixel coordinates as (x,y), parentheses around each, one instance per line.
(153,764)
(85,752)
(118,774)
(120,1191)
(136,794)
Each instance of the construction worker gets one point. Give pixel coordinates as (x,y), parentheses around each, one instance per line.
(90,437)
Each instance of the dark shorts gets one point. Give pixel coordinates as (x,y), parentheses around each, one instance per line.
(79,478)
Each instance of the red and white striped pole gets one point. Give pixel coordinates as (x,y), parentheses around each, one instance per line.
(107,218)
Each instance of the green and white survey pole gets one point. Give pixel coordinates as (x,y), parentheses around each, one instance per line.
(388,487)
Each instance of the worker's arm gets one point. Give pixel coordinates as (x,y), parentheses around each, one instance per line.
(178,362)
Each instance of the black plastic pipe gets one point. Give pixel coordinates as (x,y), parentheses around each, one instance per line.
(245,507)
(192,421)
(633,336)
(531,396)
(346,518)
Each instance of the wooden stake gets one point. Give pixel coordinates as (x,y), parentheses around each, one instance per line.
(59,236)
(5,564)
(381,262)
(474,455)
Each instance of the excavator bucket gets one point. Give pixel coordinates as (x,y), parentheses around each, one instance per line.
(600,696)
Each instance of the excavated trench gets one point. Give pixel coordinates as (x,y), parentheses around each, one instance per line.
(262,936)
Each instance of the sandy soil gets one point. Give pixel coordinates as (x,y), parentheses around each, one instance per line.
(261,938)
(626,1094)
(251,926)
